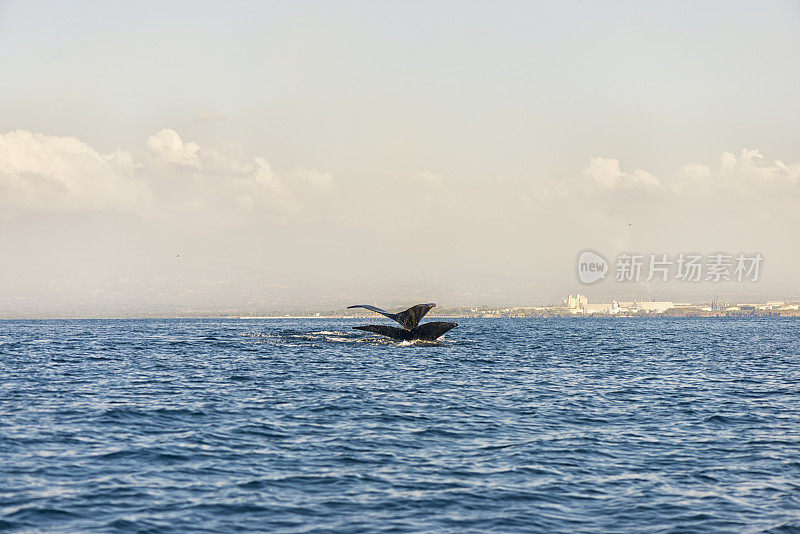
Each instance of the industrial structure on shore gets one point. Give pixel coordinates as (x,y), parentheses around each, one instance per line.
(579,304)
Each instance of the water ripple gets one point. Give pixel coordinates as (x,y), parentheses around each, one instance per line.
(664,425)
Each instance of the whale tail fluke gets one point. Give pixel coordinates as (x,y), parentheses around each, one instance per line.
(412,316)
(409,318)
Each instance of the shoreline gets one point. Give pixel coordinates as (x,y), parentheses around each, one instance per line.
(792,314)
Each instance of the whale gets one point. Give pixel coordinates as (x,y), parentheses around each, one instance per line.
(409,319)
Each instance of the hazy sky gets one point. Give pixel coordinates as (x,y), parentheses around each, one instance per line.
(162,158)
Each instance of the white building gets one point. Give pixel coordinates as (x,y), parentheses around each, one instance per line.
(580,304)
(576,303)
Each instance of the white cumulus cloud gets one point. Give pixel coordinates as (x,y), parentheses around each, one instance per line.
(747,173)
(171,175)
(168,147)
(607,172)
(605,187)
(47,171)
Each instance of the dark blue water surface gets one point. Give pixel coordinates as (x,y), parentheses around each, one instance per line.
(563,425)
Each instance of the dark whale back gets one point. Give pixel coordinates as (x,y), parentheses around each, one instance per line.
(424,332)
(393,332)
(433,330)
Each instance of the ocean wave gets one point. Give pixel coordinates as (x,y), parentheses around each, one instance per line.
(293,425)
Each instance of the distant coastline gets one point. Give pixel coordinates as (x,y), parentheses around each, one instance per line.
(577,306)
(523,313)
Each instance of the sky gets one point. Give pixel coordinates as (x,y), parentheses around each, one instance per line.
(183,158)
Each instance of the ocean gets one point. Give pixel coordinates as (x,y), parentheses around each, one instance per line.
(305,425)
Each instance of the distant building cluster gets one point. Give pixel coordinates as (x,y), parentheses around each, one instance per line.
(579,304)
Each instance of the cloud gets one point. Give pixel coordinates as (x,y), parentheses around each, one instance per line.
(607,173)
(171,176)
(750,166)
(602,179)
(262,187)
(40,171)
(746,174)
(209,116)
(311,181)
(169,148)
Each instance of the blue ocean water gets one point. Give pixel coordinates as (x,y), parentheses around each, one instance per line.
(509,425)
